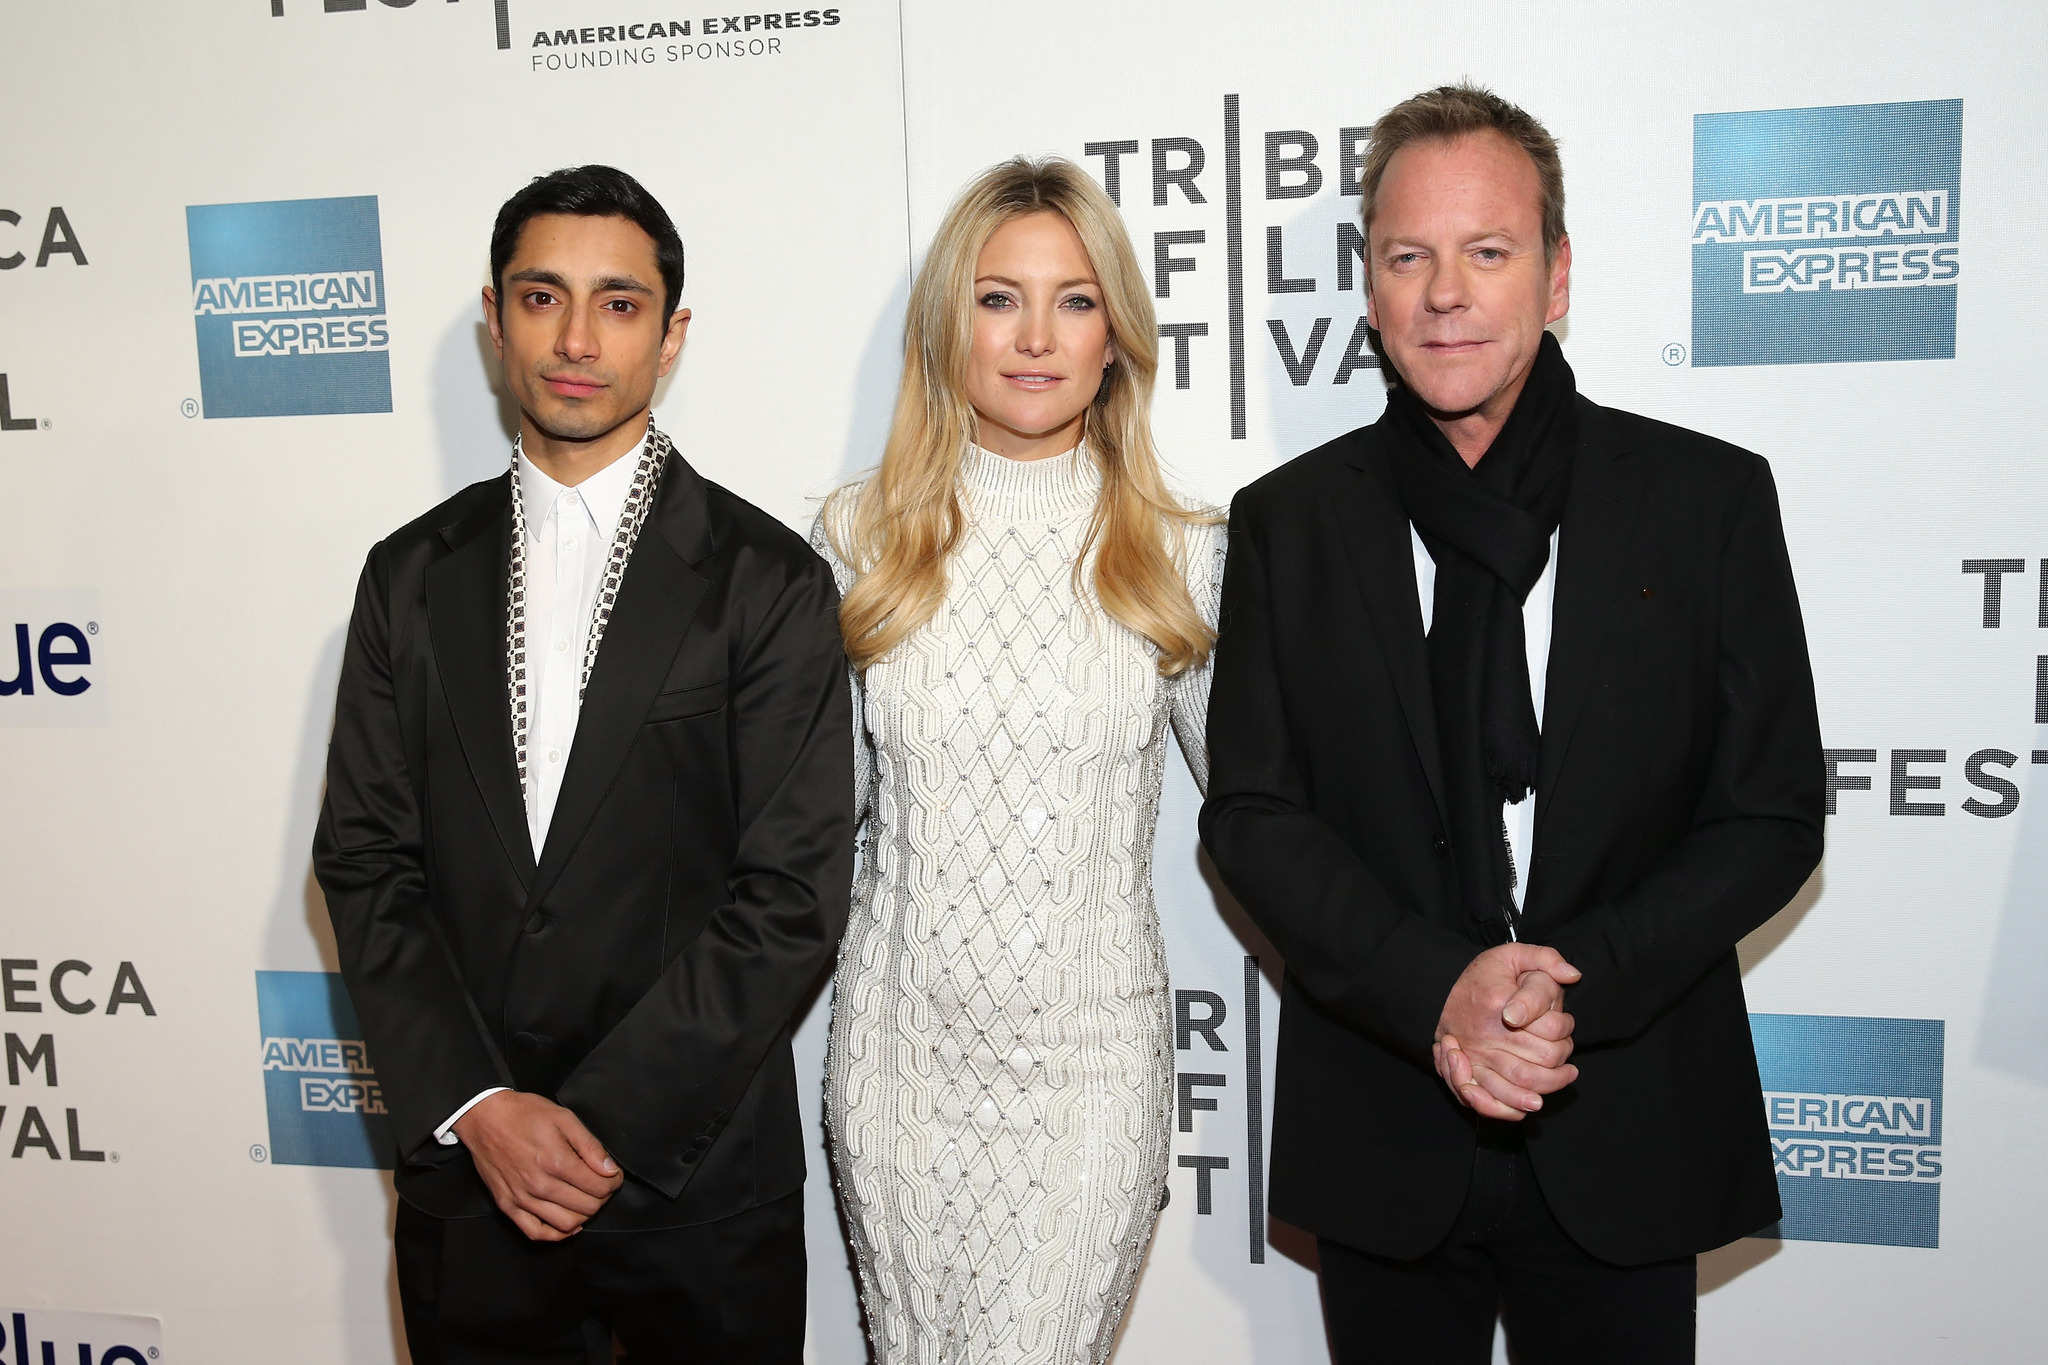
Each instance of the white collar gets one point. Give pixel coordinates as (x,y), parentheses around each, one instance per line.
(604,492)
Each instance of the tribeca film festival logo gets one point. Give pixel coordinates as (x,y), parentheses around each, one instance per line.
(320,1089)
(51,658)
(57,239)
(37,1334)
(1920,780)
(1175,189)
(1234,1184)
(288,302)
(49,1129)
(1854,1109)
(568,36)
(1827,234)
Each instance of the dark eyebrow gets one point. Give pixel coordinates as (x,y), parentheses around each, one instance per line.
(607,284)
(540,277)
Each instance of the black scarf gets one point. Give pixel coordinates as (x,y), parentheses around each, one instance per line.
(1488,528)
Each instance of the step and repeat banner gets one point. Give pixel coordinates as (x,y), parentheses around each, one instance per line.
(241,244)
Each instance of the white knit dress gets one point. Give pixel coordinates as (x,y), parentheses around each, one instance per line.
(999,1086)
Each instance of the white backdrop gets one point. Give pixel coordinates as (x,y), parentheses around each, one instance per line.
(161,817)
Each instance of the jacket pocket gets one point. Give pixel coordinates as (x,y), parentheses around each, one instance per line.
(687,702)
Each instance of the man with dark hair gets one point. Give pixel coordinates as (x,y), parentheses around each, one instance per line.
(588,839)
(1512,738)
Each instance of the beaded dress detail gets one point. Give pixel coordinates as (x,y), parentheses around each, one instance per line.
(1000,1080)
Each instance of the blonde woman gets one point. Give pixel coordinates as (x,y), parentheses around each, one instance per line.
(1028,611)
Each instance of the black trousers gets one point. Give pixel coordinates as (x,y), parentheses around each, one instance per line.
(475,1291)
(1506,1254)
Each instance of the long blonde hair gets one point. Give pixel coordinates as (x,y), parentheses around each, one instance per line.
(908,519)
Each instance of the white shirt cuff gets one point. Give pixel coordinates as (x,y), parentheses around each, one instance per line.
(445,1134)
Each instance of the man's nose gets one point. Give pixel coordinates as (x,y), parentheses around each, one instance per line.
(577,341)
(1447,289)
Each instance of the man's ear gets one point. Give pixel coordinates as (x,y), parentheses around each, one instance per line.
(672,341)
(1560,282)
(493,321)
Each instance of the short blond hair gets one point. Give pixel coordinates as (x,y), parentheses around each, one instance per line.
(1454,111)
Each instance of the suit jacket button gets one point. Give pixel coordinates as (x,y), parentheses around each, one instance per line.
(537,922)
(690,1157)
(701,1143)
(526,1042)
(1440,845)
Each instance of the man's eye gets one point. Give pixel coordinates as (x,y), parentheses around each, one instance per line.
(540,298)
(621,305)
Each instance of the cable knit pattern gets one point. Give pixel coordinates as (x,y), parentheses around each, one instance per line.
(1000,1079)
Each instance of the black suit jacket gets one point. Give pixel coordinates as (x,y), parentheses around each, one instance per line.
(1679,806)
(696,872)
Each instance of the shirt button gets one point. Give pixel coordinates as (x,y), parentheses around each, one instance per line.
(561,646)
(569,544)
(554,755)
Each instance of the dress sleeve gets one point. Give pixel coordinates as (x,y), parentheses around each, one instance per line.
(1187,693)
(835,514)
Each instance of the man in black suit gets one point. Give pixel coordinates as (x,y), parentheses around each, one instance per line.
(1515,1068)
(587,841)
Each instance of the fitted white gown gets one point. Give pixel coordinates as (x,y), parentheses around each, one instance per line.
(999,1082)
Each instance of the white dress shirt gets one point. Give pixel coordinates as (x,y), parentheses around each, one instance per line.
(1520,818)
(569,533)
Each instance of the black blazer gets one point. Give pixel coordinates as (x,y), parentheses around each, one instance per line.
(696,871)
(1679,806)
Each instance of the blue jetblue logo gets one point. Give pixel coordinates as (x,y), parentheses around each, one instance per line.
(1854,1108)
(326,1108)
(1827,234)
(52,664)
(288,300)
(90,1338)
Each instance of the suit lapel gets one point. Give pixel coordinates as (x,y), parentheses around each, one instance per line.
(1376,538)
(658,599)
(1593,544)
(466,623)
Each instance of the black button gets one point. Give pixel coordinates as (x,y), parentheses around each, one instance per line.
(529,1042)
(1440,845)
(690,1157)
(538,922)
(701,1143)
